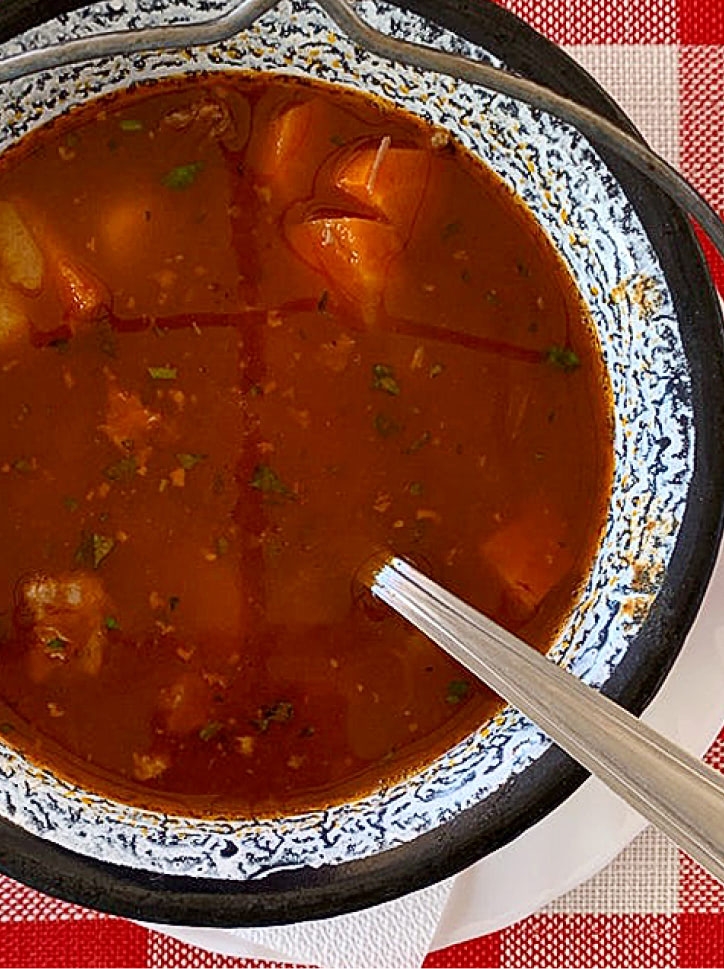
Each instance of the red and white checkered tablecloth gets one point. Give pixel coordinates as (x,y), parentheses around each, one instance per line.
(663,60)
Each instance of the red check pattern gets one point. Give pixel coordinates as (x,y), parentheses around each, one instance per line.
(664,61)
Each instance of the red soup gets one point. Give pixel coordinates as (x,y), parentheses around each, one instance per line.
(252,331)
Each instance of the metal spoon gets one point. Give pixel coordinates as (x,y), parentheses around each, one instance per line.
(676,792)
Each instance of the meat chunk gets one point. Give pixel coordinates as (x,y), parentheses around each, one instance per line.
(184,705)
(85,299)
(147,767)
(63,621)
(391,181)
(128,423)
(20,257)
(222,118)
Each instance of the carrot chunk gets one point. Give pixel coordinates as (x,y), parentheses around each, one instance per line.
(390,180)
(20,257)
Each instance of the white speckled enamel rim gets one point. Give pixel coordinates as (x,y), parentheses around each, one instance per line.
(586,214)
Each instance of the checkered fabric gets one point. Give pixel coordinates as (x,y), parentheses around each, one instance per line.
(663,61)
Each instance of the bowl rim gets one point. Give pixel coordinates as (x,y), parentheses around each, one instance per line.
(313,893)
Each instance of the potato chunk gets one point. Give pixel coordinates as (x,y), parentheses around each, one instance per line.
(20,257)
(391,181)
(355,255)
(530,557)
(13,320)
(63,618)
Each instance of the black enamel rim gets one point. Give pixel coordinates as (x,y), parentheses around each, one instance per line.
(308,893)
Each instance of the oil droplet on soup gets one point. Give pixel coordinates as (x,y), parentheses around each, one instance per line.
(252,331)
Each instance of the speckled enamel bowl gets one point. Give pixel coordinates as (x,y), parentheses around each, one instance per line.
(638,267)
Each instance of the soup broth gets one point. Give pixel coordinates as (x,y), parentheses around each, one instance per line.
(253,330)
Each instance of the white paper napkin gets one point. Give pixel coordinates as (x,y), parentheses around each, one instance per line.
(397,935)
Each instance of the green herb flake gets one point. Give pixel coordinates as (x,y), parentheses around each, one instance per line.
(280,712)
(183,176)
(130,124)
(415,488)
(436,369)
(7,728)
(122,470)
(266,480)
(163,373)
(106,338)
(188,461)
(450,229)
(93,549)
(419,443)
(323,301)
(72,140)
(383,378)
(55,646)
(210,730)
(72,504)
(385,425)
(62,345)
(111,623)
(22,466)
(563,357)
(457,690)
(222,545)
(337,140)
(173,603)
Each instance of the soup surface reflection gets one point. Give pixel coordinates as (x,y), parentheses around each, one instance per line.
(252,331)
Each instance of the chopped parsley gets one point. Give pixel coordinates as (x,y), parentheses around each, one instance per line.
(22,466)
(383,378)
(419,443)
(450,229)
(386,425)
(189,461)
(163,373)
(122,470)
(93,549)
(7,728)
(71,504)
(457,690)
(210,730)
(110,622)
(415,488)
(563,357)
(266,480)
(183,176)
(130,124)
(173,603)
(55,646)
(222,545)
(281,712)
(62,344)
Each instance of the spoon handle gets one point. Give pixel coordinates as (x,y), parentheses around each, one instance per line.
(676,792)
